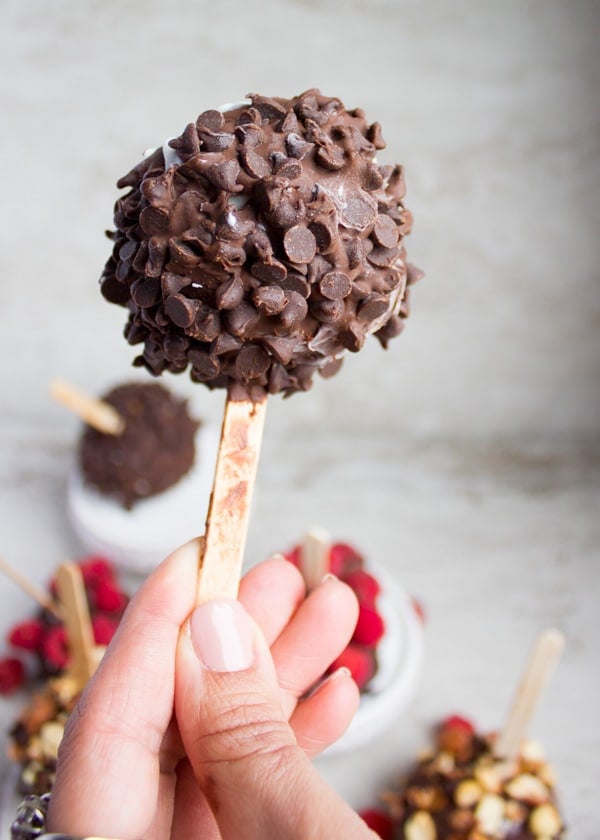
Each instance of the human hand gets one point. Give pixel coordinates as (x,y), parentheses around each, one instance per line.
(201,731)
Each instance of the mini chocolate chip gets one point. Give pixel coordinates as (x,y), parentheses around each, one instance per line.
(176,347)
(182,253)
(328,311)
(267,107)
(331,368)
(296,283)
(352,338)
(230,255)
(154,220)
(404,310)
(413,274)
(156,257)
(406,223)
(215,141)
(199,236)
(286,214)
(383,257)
(249,115)
(360,211)
(385,232)
(252,361)
(255,165)
(331,157)
(181,310)
(285,167)
(279,379)
(335,285)
(146,292)
(354,251)
(323,234)
(230,293)
(225,343)
(115,292)
(299,244)
(211,119)
(295,311)
(296,146)
(288,123)
(123,271)
(392,328)
(375,136)
(205,366)
(269,272)
(127,251)
(373,307)
(258,240)
(269,299)
(396,184)
(372,177)
(281,348)
(240,319)
(140,258)
(250,135)
(224,175)
(207,324)
(392,279)
(188,144)
(318,268)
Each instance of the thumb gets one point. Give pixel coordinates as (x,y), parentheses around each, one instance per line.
(257,780)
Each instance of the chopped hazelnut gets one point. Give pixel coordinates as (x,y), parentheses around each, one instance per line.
(420,827)
(545,821)
(528,788)
(488,777)
(51,735)
(468,793)
(490,814)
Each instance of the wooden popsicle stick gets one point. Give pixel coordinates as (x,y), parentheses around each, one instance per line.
(314,557)
(542,662)
(27,586)
(96,413)
(229,508)
(80,637)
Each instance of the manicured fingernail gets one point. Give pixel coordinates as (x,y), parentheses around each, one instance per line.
(341,672)
(328,577)
(222,635)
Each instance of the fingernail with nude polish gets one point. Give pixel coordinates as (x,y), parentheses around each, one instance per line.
(222,635)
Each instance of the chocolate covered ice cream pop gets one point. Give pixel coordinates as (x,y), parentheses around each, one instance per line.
(254,250)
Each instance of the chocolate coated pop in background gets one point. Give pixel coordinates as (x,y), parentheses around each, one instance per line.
(261,244)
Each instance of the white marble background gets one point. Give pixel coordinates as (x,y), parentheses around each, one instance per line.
(467,458)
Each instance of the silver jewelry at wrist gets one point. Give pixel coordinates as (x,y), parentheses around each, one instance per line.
(30,822)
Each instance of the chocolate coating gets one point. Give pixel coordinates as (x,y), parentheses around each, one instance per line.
(273,226)
(155,450)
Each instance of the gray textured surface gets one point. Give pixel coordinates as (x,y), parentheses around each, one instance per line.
(467,457)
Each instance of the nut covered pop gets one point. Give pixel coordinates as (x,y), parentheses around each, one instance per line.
(261,244)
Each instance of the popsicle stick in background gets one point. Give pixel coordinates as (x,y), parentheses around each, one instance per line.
(38,595)
(229,509)
(542,662)
(314,557)
(76,616)
(96,413)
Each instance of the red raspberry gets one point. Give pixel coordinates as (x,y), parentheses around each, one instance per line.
(458,722)
(369,627)
(108,597)
(360,661)
(54,649)
(379,822)
(343,559)
(27,635)
(104,628)
(96,569)
(12,675)
(365,586)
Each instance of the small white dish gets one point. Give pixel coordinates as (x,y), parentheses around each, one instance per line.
(140,538)
(399,656)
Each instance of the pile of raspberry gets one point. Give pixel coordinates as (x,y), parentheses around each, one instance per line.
(39,645)
(360,657)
